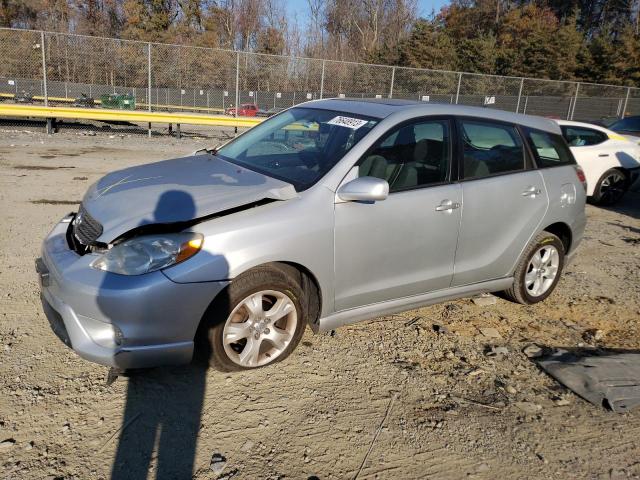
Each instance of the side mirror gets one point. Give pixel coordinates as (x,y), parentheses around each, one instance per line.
(364,189)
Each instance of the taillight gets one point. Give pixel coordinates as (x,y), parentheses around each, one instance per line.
(581,176)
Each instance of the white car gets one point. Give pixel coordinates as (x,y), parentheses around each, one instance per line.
(610,161)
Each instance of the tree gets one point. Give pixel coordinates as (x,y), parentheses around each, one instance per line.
(429,46)
(531,44)
(479,54)
(271,40)
(590,40)
(18,13)
(149,20)
(627,63)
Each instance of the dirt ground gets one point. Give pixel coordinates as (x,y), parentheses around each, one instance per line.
(405,396)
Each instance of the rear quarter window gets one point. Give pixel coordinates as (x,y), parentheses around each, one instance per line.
(549,149)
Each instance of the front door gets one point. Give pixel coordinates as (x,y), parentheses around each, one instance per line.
(404,245)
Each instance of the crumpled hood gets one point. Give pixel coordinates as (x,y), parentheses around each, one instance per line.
(176,190)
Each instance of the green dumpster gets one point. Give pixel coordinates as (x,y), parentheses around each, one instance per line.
(118,101)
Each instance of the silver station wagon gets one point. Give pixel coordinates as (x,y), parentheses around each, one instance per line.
(326,214)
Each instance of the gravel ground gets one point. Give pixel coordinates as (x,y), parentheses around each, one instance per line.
(406,396)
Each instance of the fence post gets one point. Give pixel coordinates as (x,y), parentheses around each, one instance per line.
(626,99)
(44,70)
(149,84)
(237,84)
(393,78)
(458,91)
(575,100)
(322,80)
(519,94)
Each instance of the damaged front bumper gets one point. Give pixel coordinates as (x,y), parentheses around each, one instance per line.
(117,320)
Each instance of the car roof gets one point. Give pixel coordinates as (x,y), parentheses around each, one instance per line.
(384,107)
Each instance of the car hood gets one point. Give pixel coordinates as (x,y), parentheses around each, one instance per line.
(174,191)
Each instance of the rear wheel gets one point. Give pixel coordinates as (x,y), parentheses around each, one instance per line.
(611,187)
(538,271)
(258,320)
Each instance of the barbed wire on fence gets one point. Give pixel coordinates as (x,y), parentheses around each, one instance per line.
(59,68)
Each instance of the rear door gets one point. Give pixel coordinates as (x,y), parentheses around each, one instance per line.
(503,200)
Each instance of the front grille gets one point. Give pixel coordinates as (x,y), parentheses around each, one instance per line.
(86,228)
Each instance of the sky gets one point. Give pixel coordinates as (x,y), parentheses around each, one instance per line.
(300,9)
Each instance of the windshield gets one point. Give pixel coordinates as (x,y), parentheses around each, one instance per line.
(626,124)
(298,146)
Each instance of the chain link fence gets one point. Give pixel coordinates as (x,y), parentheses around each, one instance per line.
(73,70)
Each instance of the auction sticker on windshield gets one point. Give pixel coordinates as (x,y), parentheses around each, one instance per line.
(354,123)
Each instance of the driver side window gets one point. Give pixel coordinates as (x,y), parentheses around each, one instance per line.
(410,156)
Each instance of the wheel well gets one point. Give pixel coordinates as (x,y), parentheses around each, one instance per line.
(300,273)
(309,284)
(563,232)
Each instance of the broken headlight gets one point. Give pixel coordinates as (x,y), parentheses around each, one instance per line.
(149,253)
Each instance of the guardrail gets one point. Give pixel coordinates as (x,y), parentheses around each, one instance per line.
(97,101)
(102,114)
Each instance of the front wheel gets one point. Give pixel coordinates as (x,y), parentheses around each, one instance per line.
(258,320)
(611,187)
(538,271)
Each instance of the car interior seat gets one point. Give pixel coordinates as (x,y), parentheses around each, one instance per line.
(474,167)
(373,166)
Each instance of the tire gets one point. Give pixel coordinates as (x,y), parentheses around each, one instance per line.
(611,187)
(231,324)
(526,274)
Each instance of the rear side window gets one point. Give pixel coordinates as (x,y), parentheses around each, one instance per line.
(490,148)
(583,137)
(550,150)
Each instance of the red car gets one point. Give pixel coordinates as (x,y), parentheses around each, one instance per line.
(246,110)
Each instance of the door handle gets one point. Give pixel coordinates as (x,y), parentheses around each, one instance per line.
(531,192)
(603,155)
(447,206)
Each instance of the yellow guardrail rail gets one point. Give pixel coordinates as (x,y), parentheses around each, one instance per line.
(41,99)
(32,111)
(98,102)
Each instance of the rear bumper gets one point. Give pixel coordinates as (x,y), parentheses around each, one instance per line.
(116,320)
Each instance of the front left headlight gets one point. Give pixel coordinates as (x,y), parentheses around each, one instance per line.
(149,253)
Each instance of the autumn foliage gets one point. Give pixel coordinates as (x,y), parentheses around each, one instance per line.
(588,40)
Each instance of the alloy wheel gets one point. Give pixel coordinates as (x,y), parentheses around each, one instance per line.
(260,328)
(542,270)
(612,187)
